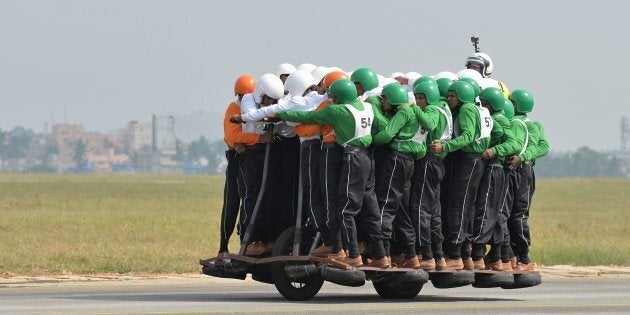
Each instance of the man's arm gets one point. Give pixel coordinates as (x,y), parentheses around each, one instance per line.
(397,122)
(321,117)
(467,125)
(509,144)
(429,117)
(532,143)
(543,145)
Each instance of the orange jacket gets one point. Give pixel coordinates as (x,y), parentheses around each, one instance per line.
(328,133)
(305,130)
(232,133)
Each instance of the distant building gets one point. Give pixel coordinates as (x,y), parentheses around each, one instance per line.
(99,148)
(107,160)
(137,136)
(65,136)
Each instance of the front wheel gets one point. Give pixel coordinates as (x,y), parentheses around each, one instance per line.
(400,285)
(294,289)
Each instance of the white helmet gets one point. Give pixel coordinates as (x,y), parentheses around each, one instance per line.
(396,75)
(285,68)
(270,85)
(298,82)
(319,73)
(380,78)
(483,61)
(306,66)
(381,84)
(469,73)
(387,81)
(413,74)
(412,77)
(485,83)
(446,74)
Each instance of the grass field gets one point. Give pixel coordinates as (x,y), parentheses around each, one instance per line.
(163,224)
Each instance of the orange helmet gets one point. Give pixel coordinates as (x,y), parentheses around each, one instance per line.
(245,84)
(330,78)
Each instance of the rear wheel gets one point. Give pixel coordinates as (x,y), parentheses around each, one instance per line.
(294,289)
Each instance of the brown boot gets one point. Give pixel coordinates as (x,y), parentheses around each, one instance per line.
(495,266)
(269,247)
(411,263)
(255,249)
(440,264)
(479,264)
(525,267)
(354,262)
(338,255)
(428,264)
(514,262)
(378,263)
(456,264)
(507,266)
(397,260)
(468,263)
(322,251)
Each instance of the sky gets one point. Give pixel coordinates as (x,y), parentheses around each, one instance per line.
(104,63)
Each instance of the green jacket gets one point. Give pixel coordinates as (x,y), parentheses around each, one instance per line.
(540,148)
(469,124)
(543,145)
(433,120)
(401,132)
(531,151)
(380,119)
(336,115)
(507,143)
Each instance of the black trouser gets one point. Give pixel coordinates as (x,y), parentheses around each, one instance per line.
(487,209)
(379,152)
(445,185)
(356,194)
(393,183)
(512,177)
(312,200)
(231,199)
(252,166)
(467,171)
(402,224)
(517,223)
(426,210)
(284,176)
(331,159)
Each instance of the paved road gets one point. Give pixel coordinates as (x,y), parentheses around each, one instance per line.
(208,295)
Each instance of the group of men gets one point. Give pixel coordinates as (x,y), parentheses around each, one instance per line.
(408,171)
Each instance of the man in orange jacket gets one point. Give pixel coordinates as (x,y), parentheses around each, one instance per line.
(236,141)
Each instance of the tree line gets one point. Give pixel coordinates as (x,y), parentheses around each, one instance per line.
(207,157)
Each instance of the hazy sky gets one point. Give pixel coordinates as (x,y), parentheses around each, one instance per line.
(109,62)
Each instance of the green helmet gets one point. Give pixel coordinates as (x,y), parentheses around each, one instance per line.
(465,91)
(508,109)
(494,96)
(366,77)
(430,91)
(443,85)
(423,80)
(344,91)
(396,94)
(474,84)
(524,101)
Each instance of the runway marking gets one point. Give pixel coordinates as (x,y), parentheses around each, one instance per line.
(380,307)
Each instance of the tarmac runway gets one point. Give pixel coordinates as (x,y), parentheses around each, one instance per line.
(205,295)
